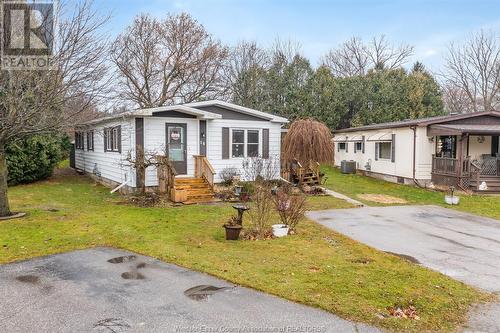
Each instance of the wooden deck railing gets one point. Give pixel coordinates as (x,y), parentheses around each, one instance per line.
(296,171)
(445,166)
(203,168)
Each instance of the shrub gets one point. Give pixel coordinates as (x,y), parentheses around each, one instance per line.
(261,210)
(35,158)
(228,175)
(291,207)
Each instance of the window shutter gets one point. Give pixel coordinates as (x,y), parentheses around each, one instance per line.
(338,146)
(225,143)
(105,139)
(393,147)
(376,150)
(363,145)
(346,147)
(119,135)
(355,150)
(265,143)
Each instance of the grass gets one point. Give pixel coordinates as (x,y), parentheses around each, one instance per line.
(354,185)
(317,267)
(326,202)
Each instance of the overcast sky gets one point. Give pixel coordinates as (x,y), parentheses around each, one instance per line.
(320,24)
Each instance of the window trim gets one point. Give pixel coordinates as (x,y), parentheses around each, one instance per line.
(90,140)
(79,140)
(378,150)
(110,141)
(245,143)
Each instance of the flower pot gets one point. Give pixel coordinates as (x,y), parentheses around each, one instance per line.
(451,200)
(280,230)
(232,231)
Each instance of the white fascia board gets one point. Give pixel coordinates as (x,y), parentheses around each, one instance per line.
(242,109)
(182,108)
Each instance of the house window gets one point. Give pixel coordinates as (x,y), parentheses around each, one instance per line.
(244,143)
(79,140)
(384,150)
(446,146)
(90,140)
(112,138)
(358,146)
(238,143)
(342,145)
(252,143)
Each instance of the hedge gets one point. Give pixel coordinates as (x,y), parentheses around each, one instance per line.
(35,158)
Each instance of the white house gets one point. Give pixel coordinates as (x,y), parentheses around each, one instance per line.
(223,134)
(460,150)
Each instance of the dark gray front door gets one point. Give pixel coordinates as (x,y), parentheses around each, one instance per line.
(176,146)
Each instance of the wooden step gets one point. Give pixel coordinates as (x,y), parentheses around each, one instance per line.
(198,190)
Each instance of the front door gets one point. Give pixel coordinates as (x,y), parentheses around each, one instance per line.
(176,147)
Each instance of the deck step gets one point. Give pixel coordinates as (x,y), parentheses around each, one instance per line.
(198,190)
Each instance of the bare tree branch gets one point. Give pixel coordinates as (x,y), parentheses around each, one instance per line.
(354,57)
(473,70)
(167,62)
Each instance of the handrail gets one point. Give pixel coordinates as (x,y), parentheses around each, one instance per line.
(204,169)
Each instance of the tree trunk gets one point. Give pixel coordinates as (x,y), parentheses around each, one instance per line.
(4,201)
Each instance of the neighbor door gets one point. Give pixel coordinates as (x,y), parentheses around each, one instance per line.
(176,147)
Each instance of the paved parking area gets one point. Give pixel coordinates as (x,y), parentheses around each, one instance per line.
(463,246)
(109,290)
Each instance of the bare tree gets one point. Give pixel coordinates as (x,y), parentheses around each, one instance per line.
(168,61)
(43,101)
(354,57)
(243,73)
(473,68)
(350,59)
(456,100)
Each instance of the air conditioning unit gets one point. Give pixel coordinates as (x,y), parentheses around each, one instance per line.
(348,166)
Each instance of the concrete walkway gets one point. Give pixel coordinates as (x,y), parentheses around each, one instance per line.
(109,290)
(463,246)
(343,197)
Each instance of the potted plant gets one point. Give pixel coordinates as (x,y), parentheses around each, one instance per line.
(233,229)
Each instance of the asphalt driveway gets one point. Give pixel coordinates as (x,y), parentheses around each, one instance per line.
(109,290)
(463,246)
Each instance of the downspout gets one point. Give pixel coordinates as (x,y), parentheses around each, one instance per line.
(119,186)
(414,129)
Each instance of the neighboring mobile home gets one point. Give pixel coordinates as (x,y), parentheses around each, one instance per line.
(460,150)
(216,133)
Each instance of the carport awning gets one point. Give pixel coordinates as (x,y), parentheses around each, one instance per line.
(340,138)
(355,138)
(459,129)
(345,138)
(380,136)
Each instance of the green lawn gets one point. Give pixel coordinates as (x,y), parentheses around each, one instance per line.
(354,185)
(317,267)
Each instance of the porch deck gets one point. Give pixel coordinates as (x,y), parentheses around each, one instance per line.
(468,173)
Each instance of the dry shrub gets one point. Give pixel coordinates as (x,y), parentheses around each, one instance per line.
(308,140)
(290,207)
(261,210)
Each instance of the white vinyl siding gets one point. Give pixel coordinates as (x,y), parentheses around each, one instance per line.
(155,141)
(109,165)
(214,141)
